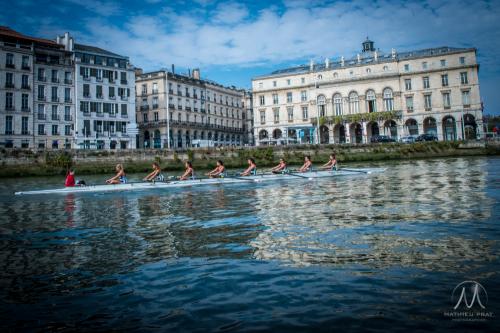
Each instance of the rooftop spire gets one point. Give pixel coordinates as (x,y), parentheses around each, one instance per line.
(368,45)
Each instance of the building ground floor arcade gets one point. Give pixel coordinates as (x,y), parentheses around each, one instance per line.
(187,137)
(456,125)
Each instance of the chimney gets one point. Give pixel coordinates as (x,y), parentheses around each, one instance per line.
(375,55)
(196,73)
(173,69)
(342,61)
(138,71)
(393,53)
(359,58)
(311,65)
(327,63)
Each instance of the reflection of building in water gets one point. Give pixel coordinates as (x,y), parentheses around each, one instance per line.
(408,215)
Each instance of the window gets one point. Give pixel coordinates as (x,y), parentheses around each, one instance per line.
(276,115)
(9,101)
(426,83)
(424,65)
(41,93)
(67,95)
(262,117)
(462,60)
(288,82)
(463,78)
(407,67)
(336,75)
(466,98)
(385,68)
(55,116)
(25,82)
(86,90)
(444,80)
(388,99)
(274,83)
(156,116)
(155,102)
(275,98)
(408,84)
(9,60)
(289,97)
(144,89)
(8,125)
(67,113)
(261,85)
(337,103)
(24,102)
(305,113)
(353,103)
(321,102)
(427,102)
(41,129)
(24,126)
(145,117)
(303,95)
(409,103)
(289,111)
(124,110)
(446,100)
(54,76)
(25,62)
(320,77)
(67,130)
(443,63)
(54,95)
(371,103)
(302,80)
(55,130)
(84,107)
(155,88)
(9,80)
(41,74)
(111,92)
(368,70)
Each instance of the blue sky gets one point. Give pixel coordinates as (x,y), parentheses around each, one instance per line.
(233,41)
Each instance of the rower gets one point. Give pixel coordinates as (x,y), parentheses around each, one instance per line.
(307,166)
(155,175)
(120,177)
(189,173)
(219,171)
(331,164)
(281,167)
(70,178)
(252,168)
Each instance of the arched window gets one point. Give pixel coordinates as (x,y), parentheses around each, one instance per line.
(335,75)
(368,70)
(320,77)
(386,68)
(371,101)
(321,105)
(337,103)
(388,99)
(353,102)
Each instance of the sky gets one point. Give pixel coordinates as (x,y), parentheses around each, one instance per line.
(233,41)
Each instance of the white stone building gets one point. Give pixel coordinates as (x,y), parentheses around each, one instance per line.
(104,88)
(181,111)
(248,119)
(396,94)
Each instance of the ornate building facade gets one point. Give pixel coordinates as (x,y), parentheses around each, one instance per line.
(432,91)
(180,111)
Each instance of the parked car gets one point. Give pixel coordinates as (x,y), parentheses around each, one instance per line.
(408,139)
(426,137)
(381,138)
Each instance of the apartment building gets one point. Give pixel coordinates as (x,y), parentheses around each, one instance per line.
(104,84)
(373,93)
(181,111)
(248,119)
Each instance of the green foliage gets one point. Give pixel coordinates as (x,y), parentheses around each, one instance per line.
(190,154)
(59,159)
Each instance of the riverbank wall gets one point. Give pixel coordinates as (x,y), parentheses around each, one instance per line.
(16,162)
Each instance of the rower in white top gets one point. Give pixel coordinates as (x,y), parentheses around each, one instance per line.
(331,164)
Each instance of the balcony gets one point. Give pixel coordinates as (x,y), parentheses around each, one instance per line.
(54,99)
(188,108)
(10,66)
(124,115)
(26,67)
(42,98)
(171,106)
(25,133)
(99,96)
(86,95)
(42,116)
(98,79)
(203,111)
(179,107)
(25,109)
(144,93)
(195,109)
(68,81)
(55,117)
(409,109)
(195,96)
(54,80)
(170,91)
(124,98)
(466,106)
(111,80)
(9,85)
(179,93)
(68,118)
(187,94)
(99,114)
(25,87)
(144,107)
(112,97)
(155,91)
(112,115)
(9,108)
(42,133)
(86,113)
(42,79)
(9,132)
(86,78)
(155,106)
(67,100)
(123,81)
(55,133)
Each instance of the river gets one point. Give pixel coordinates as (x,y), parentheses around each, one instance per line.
(376,252)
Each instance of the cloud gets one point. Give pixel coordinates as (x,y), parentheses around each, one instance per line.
(99,7)
(230,13)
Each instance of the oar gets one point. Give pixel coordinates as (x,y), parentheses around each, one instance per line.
(295,174)
(355,170)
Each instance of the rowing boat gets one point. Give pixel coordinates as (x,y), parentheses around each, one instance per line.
(205,181)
